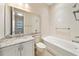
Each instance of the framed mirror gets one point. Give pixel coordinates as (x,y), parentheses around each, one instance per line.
(23,22)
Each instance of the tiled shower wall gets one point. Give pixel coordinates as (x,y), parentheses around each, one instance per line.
(62,18)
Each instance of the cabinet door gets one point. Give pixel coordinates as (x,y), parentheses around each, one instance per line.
(28,48)
(10,51)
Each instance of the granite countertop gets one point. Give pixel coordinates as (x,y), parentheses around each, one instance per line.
(16,40)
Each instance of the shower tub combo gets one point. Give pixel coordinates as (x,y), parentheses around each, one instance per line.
(61,47)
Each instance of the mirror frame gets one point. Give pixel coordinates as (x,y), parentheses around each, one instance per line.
(12,10)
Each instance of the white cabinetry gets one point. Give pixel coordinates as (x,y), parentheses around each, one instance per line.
(21,49)
(10,51)
(28,48)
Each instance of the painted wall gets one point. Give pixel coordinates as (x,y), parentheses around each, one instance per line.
(45,22)
(7,20)
(4,21)
(62,17)
(1,20)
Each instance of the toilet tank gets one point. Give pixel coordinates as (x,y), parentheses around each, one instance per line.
(37,38)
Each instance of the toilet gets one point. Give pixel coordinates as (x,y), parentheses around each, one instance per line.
(40,48)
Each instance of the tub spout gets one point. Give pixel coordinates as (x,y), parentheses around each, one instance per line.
(75,41)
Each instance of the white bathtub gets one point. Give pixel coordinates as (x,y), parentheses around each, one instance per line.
(57,46)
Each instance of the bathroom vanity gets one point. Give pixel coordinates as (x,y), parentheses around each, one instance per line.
(17,21)
(23,46)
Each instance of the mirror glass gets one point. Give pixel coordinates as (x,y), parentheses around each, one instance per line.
(19,23)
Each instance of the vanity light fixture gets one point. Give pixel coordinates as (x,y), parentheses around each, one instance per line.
(26,5)
(19,14)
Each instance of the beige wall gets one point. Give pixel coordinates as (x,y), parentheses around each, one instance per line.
(45,22)
(4,20)
(7,20)
(1,20)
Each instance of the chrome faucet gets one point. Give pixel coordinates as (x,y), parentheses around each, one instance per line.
(75,41)
(77,37)
(8,36)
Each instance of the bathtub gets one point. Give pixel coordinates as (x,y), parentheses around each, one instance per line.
(61,47)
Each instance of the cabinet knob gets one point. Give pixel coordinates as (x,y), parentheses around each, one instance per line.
(20,47)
